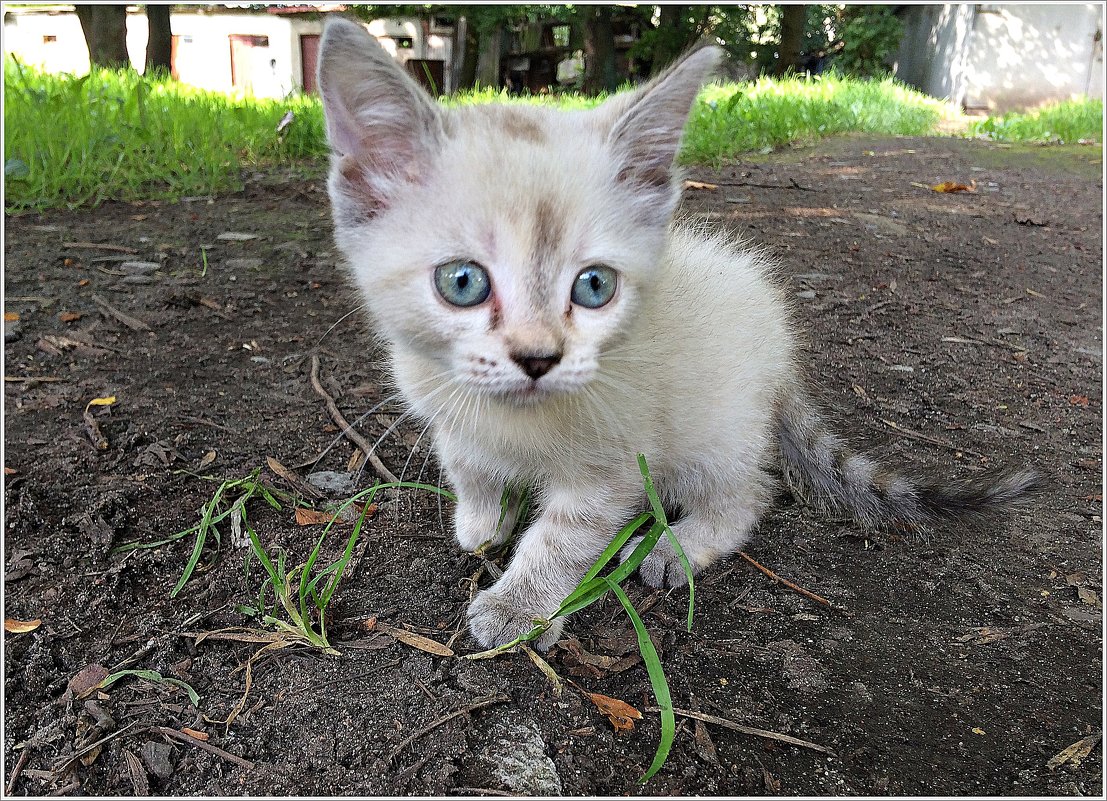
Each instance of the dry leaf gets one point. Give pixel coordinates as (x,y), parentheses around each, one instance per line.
(69,317)
(11,317)
(951,186)
(84,282)
(700,185)
(313,517)
(108,401)
(10,471)
(1076,752)
(977,730)
(1079,400)
(621,714)
(199,735)
(91,756)
(207,459)
(20,626)
(87,679)
(1088,596)
(414,640)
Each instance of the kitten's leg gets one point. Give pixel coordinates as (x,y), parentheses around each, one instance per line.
(714,525)
(480,518)
(551,557)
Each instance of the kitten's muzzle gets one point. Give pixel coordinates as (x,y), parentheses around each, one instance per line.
(536,365)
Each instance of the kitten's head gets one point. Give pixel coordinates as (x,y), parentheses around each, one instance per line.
(504,246)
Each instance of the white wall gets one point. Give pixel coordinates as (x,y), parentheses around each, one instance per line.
(205,61)
(1003,56)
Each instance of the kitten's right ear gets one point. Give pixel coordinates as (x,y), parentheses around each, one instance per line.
(381,125)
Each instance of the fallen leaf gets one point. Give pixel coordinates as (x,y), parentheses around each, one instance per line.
(20,626)
(199,735)
(108,401)
(91,756)
(10,471)
(69,317)
(700,185)
(11,317)
(1079,400)
(951,186)
(314,517)
(206,459)
(414,640)
(977,730)
(84,282)
(621,714)
(1076,752)
(86,680)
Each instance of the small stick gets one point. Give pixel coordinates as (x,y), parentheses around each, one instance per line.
(67,789)
(912,434)
(738,727)
(99,246)
(214,749)
(357,439)
(784,581)
(31,379)
(65,763)
(16,771)
(465,710)
(132,323)
(92,428)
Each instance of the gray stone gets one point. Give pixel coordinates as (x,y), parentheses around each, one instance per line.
(158,758)
(242,264)
(140,267)
(333,482)
(517,755)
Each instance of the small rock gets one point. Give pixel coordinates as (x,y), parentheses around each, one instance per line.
(333,482)
(806,294)
(517,754)
(140,267)
(12,331)
(242,264)
(235,236)
(156,757)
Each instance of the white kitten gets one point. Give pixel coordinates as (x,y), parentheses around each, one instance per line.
(547,318)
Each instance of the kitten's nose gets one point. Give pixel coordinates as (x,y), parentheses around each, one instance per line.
(536,365)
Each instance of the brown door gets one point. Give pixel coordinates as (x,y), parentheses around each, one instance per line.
(429,72)
(245,67)
(309,59)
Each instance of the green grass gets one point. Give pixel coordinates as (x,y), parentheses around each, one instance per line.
(1067,122)
(734,118)
(78,141)
(116,135)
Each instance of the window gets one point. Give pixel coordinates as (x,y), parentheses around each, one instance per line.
(404,42)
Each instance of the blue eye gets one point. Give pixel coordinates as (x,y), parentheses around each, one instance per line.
(595,286)
(462,283)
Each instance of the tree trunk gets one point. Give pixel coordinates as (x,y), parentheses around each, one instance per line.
(468,46)
(159,46)
(488,57)
(105,29)
(791,38)
(668,28)
(599,51)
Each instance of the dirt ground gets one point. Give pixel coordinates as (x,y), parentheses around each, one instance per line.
(951,332)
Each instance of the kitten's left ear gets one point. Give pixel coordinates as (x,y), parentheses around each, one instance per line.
(646,135)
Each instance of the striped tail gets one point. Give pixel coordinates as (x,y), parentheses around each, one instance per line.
(821,469)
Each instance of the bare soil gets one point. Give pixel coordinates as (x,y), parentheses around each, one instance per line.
(951,332)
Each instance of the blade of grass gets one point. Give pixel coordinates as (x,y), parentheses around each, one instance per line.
(659,515)
(657,679)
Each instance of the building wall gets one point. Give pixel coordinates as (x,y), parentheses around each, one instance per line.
(1003,56)
(203,49)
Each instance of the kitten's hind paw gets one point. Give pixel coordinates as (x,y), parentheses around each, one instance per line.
(495,620)
(661,567)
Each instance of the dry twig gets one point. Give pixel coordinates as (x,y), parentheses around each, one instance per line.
(354,436)
(214,749)
(465,710)
(738,727)
(784,581)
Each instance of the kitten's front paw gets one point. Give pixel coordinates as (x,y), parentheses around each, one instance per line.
(496,620)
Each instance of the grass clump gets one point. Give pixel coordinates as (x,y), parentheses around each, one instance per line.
(733,118)
(117,135)
(1067,122)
